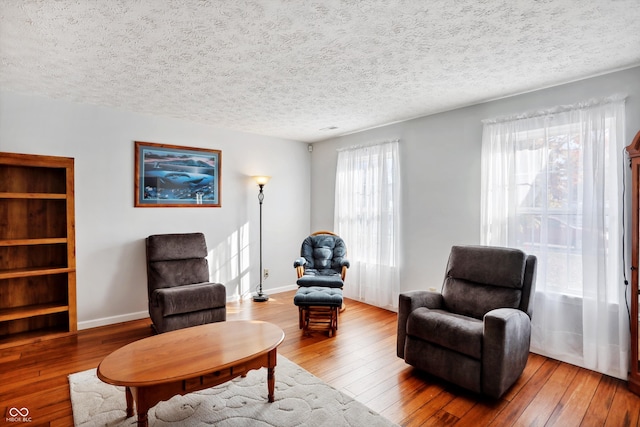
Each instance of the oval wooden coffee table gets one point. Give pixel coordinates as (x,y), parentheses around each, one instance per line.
(191,359)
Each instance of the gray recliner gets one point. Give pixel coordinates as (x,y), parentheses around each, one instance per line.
(476,332)
(322,261)
(180,293)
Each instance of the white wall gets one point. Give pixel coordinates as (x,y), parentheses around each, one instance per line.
(440,161)
(110,232)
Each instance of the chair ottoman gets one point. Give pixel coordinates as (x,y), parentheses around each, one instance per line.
(318,308)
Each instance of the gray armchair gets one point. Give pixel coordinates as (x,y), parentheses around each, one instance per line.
(476,333)
(322,261)
(180,294)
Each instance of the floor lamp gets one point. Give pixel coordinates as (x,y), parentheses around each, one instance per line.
(261,180)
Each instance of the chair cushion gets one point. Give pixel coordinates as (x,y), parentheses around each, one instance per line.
(319,296)
(481,278)
(323,281)
(189,298)
(452,331)
(164,247)
(324,251)
(166,274)
(474,300)
(487,265)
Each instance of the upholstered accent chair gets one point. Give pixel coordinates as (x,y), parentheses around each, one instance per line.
(322,261)
(476,332)
(180,293)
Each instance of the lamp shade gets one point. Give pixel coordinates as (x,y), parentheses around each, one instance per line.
(261,180)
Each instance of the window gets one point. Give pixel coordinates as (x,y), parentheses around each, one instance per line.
(552,186)
(549,180)
(367,217)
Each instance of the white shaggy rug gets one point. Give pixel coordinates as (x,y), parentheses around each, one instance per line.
(301,399)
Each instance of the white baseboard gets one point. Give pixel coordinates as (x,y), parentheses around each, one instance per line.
(284,289)
(112,320)
(87,324)
(272,291)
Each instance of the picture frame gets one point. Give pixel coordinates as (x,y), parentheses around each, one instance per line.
(176,176)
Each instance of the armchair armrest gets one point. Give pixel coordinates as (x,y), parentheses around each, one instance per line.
(299,264)
(409,301)
(506,340)
(344,264)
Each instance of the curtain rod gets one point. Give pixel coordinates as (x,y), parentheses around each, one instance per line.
(558,109)
(371,144)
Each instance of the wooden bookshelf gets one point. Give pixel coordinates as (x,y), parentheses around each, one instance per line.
(634,368)
(37,248)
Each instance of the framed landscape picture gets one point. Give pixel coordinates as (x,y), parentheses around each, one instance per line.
(174,176)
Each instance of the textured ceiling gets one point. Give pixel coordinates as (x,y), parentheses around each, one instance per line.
(292,68)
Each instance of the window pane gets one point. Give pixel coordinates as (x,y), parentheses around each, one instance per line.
(549,213)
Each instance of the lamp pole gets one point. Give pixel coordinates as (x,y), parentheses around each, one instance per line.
(261,180)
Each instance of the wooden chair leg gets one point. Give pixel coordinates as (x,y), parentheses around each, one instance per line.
(305,320)
(318,317)
(300,313)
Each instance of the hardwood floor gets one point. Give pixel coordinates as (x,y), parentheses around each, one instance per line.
(360,361)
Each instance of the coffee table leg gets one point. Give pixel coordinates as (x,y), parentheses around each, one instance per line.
(144,401)
(271,383)
(138,396)
(143,421)
(129,398)
(272,360)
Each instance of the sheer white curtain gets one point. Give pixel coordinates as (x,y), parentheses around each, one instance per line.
(367,217)
(552,185)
